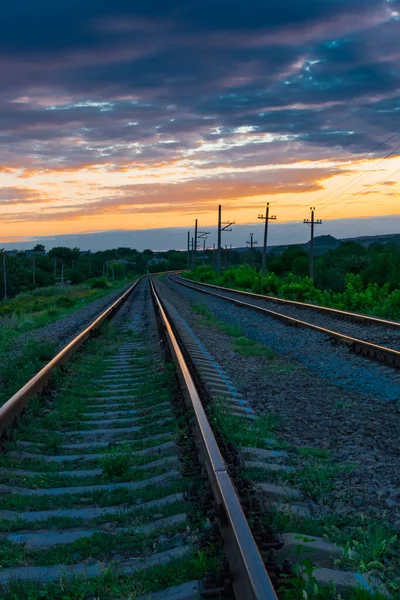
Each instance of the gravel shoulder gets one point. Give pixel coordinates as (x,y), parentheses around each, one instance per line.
(359,428)
(389,338)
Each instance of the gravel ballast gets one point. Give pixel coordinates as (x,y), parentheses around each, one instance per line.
(325,397)
(313,349)
(379,335)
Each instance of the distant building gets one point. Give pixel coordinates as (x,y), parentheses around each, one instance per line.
(32,253)
(156,261)
(123,261)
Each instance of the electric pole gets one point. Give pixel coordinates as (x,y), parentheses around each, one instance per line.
(226,227)
(265,218)
(5,275)
(195,245)
(251,243)
(188,251)
(202,235)
(313,223)
(33,271)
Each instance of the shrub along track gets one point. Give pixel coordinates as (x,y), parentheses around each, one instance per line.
(375,338)
(102,495)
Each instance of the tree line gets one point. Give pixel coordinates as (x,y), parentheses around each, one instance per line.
(27,270)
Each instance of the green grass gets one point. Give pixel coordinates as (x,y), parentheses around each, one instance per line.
(113,586)
(30,310)
(246,347)
(369,545)
(241,344)
(316,452)
(125,517)
(231,330)
(240,431)
(201,310)
(100,545)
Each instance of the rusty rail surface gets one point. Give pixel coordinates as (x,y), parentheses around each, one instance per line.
(250,577)
(368,349)
(13,408)
(335,312)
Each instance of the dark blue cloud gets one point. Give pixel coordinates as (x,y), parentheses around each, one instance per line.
(324,73)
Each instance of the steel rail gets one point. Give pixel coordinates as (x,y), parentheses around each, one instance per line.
(13,408)
(373,351)
(335,312)
(250,577)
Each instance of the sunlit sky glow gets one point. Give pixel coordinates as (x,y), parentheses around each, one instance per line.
(129,115)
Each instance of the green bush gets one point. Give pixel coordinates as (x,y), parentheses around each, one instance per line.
(99,283)
(357,296)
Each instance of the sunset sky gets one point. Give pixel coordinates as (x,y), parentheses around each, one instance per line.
(129,115)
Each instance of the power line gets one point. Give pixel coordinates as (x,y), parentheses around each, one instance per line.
(339,170)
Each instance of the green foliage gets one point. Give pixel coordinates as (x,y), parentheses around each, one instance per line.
(357,295)
(100,283)
(115,465)
(19,363)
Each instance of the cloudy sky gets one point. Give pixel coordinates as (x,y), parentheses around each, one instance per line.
(140,115)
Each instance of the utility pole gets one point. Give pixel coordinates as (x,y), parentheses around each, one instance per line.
(188,251)
(202,235)
(195,245)
(213,255)
(192,253)
(313,223)
(251,243)
(265,218)
(33,271)
(230,255)
(5,275)
(204,251)
(226,227)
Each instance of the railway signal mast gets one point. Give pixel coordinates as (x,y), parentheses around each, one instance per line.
(265,218)
(251,243)
(312,222)
(202,235)
(222,226)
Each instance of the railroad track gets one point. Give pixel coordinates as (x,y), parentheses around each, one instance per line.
(112,481)
(349,328)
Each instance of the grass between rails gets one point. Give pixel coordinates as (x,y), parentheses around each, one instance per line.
(129,517)
(110,475)
(117,465)
(101,545)
(115,586)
